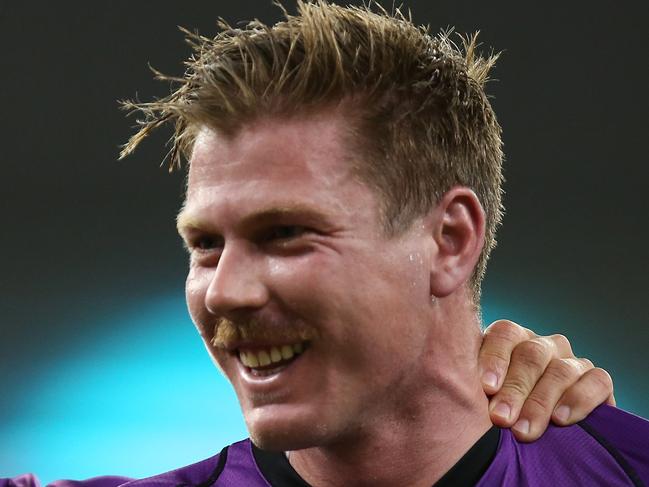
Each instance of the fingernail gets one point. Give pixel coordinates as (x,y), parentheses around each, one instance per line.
(562,413)
(503,410)
(490,379)
(522,426)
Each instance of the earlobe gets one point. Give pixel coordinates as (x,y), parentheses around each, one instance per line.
(458,226)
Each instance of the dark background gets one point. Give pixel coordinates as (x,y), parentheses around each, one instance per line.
(86,239)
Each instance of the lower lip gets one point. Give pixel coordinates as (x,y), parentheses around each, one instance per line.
(272,381)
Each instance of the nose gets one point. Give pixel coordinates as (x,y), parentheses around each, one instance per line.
(237,283)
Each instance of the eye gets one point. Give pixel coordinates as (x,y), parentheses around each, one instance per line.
(205,243)
(285,232)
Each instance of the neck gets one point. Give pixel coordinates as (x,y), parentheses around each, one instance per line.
(418,440)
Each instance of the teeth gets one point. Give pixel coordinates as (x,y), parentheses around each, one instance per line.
(254,362)
(249,359)
(275,355)
(263,358)
(287,352)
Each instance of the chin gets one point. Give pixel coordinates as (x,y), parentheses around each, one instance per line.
(284,434)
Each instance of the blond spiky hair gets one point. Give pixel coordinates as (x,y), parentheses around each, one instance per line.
(418,115)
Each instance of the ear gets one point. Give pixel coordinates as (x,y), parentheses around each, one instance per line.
(458,227)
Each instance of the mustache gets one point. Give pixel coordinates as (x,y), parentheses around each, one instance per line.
(228,333)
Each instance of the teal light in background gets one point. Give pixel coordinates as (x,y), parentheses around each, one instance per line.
(139,399)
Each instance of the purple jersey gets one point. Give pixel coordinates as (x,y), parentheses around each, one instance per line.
(609,448)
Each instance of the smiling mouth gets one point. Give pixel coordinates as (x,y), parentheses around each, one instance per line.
(266,361)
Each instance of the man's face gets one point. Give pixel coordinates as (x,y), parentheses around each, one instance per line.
(287,247)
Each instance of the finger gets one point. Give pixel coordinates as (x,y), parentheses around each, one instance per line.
(592,389)
(610,400)
(528,362)
(500,338)
(538,408)
(562,346)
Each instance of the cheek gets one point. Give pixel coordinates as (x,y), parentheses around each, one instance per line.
(391,306)
(196,286)
(299,280)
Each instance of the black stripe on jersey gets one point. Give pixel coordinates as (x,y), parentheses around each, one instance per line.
(619,458)
(223,456)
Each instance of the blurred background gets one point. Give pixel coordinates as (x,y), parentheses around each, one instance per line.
(100,367)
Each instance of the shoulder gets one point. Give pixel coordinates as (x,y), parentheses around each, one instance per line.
(610,447)
(210,472)
(233,466)
(203,473)
(29,480)
(624,435)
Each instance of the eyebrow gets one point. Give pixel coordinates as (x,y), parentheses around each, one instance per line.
(186,221)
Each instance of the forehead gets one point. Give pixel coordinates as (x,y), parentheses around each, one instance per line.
(281,147)
(275,162)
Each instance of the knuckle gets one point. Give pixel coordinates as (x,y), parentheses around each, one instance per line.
(532,353)
(563,370)
(514,388)
(587,363)
(536,405)
(562,343)
(601,378)
(495,356)
(505,330)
